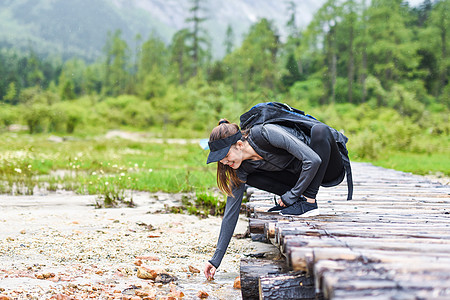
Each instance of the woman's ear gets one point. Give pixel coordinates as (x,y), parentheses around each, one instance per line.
(240,145)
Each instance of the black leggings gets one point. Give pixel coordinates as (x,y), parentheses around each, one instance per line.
(324,144)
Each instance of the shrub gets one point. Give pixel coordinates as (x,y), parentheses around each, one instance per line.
(8,114)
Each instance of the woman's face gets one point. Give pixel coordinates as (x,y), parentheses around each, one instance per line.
(234,156)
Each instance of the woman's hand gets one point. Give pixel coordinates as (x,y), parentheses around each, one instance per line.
(209,271)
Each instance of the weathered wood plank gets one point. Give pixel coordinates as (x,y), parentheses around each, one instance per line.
(304,258)
(287,287)
(252,269)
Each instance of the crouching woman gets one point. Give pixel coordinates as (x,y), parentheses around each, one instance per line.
(276,159)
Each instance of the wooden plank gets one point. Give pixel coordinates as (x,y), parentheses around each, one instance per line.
(287,286)
(304,258)
(252,269)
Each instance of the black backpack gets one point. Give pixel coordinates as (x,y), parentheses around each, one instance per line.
(283,114)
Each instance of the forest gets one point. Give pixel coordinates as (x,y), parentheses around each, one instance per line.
(377,70)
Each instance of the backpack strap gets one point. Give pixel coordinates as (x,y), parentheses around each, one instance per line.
(348,171)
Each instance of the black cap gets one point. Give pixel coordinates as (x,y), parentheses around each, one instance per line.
(219,149)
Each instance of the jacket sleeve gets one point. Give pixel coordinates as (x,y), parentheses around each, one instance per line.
(229,221)
(280,138)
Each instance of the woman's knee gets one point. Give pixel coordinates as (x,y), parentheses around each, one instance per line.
(320,133)
(320,130)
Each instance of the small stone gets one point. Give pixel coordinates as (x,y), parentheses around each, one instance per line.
(23,231)
(237,282)
(39,276)
(175,293)
(48,275)
(202,294)
(141,293)
(193,269)
(146,273)
(5,297)
(164,278)
(138,263)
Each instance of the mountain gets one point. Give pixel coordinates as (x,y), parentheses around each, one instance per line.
(79,27)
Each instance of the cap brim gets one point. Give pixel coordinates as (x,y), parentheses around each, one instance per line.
(217,155)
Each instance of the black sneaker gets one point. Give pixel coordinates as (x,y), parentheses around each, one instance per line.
(277,207)
(301,209)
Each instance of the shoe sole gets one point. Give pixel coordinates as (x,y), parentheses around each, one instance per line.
(311,213)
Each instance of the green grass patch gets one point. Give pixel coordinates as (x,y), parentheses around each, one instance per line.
(417,163)
(105,167)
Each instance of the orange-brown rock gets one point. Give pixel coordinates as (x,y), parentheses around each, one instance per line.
(146,273)
(193,269)
(237,282)
(202,295)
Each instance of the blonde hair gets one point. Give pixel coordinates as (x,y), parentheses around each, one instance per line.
(226,176)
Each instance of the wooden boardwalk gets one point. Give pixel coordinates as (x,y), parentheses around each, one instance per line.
(392,241)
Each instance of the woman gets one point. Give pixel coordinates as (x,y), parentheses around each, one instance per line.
(274,158)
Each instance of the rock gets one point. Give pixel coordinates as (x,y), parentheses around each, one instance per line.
(146,273)
(138,263)
(164,278)
(146,293)
(193,269)
(202,294)
(175,293)
(141,293)
(23,231)
(237,282)
(39,276)
(5,297)
(48,275)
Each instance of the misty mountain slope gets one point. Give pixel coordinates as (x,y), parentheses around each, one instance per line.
(79,27)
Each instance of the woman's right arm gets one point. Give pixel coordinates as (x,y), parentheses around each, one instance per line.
(229,222)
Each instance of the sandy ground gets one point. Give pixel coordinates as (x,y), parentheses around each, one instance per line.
(59,244)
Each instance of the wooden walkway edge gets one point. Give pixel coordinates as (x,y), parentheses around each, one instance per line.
(392,241)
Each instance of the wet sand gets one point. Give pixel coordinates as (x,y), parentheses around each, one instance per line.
(59,244)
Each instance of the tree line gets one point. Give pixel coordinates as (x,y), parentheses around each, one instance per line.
(385,53)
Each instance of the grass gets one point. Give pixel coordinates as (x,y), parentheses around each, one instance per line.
(422,164)
(113,168)
(103,167)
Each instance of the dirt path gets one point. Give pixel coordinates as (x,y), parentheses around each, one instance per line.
(58,244)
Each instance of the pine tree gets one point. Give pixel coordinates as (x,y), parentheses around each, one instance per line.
(197,36)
